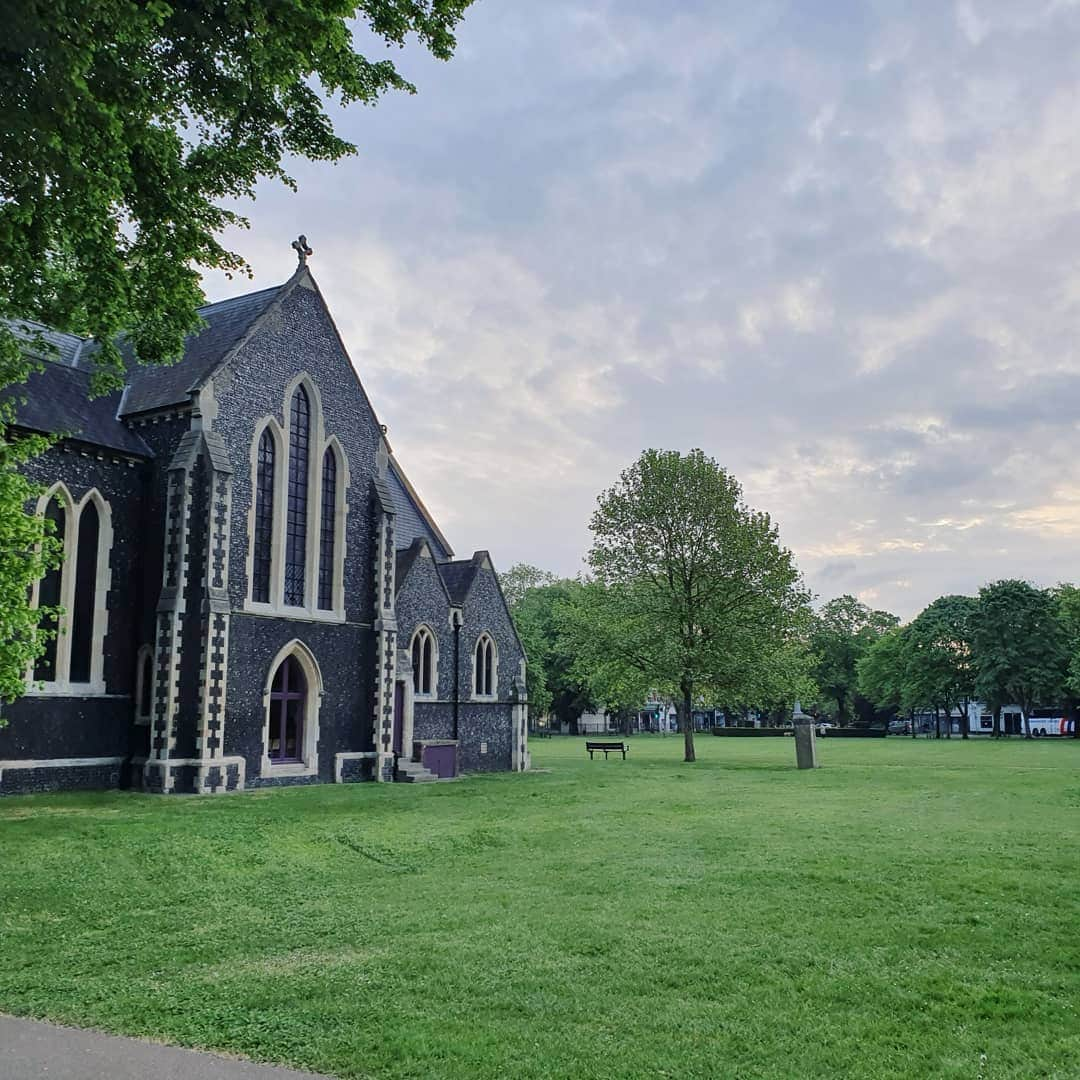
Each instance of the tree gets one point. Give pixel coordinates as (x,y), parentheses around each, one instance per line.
(692,591)
(520,578)
(940,669)
(1068,601)
(843,631)
(1019,646)
(536,599)
(882,672)
(126,129)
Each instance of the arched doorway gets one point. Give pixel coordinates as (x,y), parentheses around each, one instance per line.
(288,698)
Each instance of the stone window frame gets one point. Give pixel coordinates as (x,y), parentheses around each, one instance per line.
(424,632)
(318,444)
(62,686)
(144,663)
(479,694)
(308,765)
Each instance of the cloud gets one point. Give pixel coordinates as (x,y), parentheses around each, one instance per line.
(832,244)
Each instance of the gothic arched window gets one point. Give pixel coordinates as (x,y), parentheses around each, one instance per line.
(484,677)
(288,698)
(326,530)
(264,519)
(82,618)
(76,656)
(423,662)
(49,594)
(296,514)
(144,685)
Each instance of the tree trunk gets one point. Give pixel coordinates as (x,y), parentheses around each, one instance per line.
(965,720)
(911,720)
(997,721)
(1027,722)
(688,721)
(937,722)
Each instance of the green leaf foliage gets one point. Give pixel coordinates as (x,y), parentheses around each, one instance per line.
(1020,646)
(692,592)
(128,130)
(842,632)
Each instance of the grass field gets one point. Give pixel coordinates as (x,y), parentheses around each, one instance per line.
(912,909)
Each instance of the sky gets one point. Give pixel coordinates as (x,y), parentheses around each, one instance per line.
(835,244)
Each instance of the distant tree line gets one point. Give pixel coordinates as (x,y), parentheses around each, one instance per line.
(690,594)
(1013,644)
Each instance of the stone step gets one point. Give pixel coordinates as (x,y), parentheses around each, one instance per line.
(412,772)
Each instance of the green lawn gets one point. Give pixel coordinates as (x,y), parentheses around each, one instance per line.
(912,909)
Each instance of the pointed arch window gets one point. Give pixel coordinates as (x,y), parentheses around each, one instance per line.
(423,663)
(264,518)
(296,514)
(291,726)
(327,529)
(73,662)
(288,697)
(144,685)
(49,595)
(82,616)
(484,674)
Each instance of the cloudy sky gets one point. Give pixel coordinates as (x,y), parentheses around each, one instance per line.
(836,244)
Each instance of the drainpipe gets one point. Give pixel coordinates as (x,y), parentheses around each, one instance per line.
(457,670)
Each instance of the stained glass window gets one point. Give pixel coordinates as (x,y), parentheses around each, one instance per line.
(326,530)
(264,519)
(288,693)
(423,661)
(483,668)
(297,505)
(82,620)
(49,595)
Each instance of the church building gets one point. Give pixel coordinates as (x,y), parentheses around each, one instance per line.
(252,594)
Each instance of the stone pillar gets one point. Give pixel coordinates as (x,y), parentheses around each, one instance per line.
(385,625)
(520,715)
(211,773)
(805,740)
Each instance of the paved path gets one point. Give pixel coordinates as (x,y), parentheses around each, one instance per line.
(30,1050)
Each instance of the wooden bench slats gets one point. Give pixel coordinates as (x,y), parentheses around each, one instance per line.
(607,748)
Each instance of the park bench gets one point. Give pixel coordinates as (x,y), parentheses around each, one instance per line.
(608,748)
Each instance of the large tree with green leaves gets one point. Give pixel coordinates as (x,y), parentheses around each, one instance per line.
(693,592)
(128,130)
(940,670)
(882,672)
(842,632)
(537,599)
(1019,646)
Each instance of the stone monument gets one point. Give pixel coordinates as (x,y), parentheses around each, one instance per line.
(805,739)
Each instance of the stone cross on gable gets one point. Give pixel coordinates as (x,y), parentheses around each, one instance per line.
(300,246)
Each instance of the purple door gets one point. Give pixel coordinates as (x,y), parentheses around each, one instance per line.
(399,716)
(287,694)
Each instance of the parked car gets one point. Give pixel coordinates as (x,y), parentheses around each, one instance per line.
(823,726)
(899,727)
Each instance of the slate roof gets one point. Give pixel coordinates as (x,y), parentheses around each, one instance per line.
(155,387)
(458,577)
(70,348)
(413,519)
(57,401)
